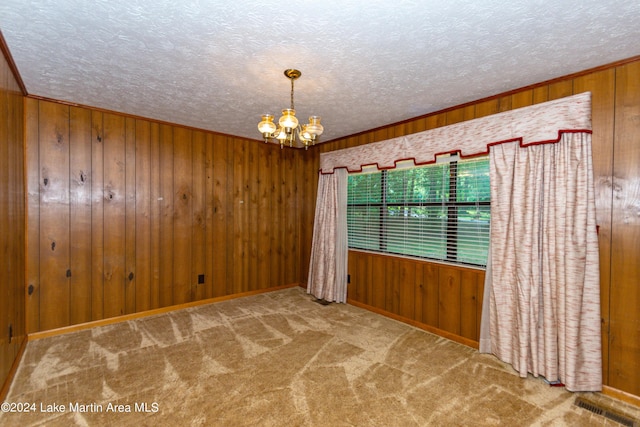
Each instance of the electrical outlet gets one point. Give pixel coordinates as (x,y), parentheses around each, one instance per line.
(200,279)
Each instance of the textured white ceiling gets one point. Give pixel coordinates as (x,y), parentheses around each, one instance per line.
(219,65)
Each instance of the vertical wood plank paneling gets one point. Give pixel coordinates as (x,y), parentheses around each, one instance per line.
(130,271)
(624,367)
(378,135)
(32,164)
(143,215)
(429,294)
(231,211)
(221,196)
(210,212)
(486,108)
(12,224)
(352,275)
(155,220)
(602,88)
(276,217)
(392,285)
(406,288)
(397,130)
(449,300)
(54,215)
(80,211)
(540,94)
(378,285)
(436,121)
(166,215)
(7,302)
(251,204)
(419,125)
(309,168)
(560,89)
(460,114)
(468,304)
(283,218)
(182,214)
(360,276)
(481,277)
(18,233)
(264,216)
(239,241)
(291,257)
(504,103)
(367,265)
(114,214)
(522,99)
(97,216)
(199,215)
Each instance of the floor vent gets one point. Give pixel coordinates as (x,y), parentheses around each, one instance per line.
(596,409)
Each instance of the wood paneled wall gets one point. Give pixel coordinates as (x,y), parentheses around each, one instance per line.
(446,298)
(616,159)
(127,215)
(12,224)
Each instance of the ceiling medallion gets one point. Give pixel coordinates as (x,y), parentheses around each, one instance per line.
(289,129)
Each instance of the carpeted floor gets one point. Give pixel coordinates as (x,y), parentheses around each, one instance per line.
(278,359)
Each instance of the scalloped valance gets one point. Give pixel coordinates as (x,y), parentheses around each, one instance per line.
(537,124)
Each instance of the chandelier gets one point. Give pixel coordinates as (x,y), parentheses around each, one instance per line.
(289,129)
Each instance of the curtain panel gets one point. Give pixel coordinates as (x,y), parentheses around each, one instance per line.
(543,279)
(327,278)
(542,307)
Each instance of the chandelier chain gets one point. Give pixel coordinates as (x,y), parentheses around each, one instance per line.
(292,107)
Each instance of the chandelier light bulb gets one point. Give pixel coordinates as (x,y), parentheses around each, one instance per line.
(288,119)
(266,126)
(314,127)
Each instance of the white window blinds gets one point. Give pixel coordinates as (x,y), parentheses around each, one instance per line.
(439,211)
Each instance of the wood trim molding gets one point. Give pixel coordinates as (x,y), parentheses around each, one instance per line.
(419,325)
(127,317)
(12,65)
(12,372)
(621,395)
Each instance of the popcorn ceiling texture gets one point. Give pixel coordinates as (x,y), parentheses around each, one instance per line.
(218,65)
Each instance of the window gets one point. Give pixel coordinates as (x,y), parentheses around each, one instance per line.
(439,211)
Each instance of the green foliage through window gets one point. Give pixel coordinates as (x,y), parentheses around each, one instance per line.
(439,211)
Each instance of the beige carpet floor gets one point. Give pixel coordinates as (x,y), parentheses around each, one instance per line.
(278,359)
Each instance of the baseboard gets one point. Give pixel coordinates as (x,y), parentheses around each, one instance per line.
(12,372)
(451,336)
(127,317)
(629,398)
